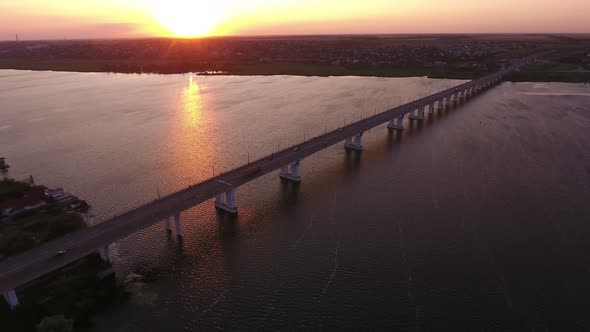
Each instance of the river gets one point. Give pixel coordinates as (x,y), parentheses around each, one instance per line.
(477,219)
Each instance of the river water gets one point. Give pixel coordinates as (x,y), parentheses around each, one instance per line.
(478,219)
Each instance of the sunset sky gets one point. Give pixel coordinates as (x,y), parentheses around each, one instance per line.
(58,19)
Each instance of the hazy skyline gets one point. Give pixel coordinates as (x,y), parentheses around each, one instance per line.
(37,19)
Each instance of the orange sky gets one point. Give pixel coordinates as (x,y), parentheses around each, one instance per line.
(58,19)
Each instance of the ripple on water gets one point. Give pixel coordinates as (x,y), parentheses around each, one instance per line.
(469,221)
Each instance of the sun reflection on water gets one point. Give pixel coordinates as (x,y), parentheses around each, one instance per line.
(193,104)
(195,126)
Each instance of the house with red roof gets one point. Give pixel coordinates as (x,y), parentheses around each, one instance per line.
(33,199)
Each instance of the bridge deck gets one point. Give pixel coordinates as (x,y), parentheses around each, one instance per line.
(18,270)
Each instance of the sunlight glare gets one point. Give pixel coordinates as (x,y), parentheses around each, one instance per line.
(188,18)
(192,102)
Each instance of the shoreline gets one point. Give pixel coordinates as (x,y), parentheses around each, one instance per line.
(533,77)
(33,215)
(307,71)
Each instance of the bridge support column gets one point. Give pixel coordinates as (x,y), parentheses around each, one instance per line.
(354,143)
(441,104)
(227,201)
(105,254)
(397,123)
(419,115)
(291,172)
(168,225)
(11,299)
(431,108)
(178,225)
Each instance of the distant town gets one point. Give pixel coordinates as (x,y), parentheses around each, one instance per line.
(444,56)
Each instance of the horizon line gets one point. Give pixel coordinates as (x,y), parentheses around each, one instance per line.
(20,39)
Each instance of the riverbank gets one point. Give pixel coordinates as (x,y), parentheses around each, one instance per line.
(31,215)
(296,69)
(180,67)
(460,56)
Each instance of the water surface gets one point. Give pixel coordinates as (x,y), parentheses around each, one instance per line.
(475,220)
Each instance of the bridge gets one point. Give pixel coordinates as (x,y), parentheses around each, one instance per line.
(19,270)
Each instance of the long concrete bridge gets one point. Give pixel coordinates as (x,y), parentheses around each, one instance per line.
(19,270)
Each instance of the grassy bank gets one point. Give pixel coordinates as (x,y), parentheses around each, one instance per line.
(534,74)
(565,77)
(249,69)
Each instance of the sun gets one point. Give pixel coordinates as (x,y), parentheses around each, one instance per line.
(187,18)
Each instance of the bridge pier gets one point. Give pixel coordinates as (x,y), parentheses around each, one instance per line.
(178,225)
(11,299)
(397,123)
(291,172)
(354,143)
(419,115)
(227,201)
(168,225)
(431,108)
(105,254)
